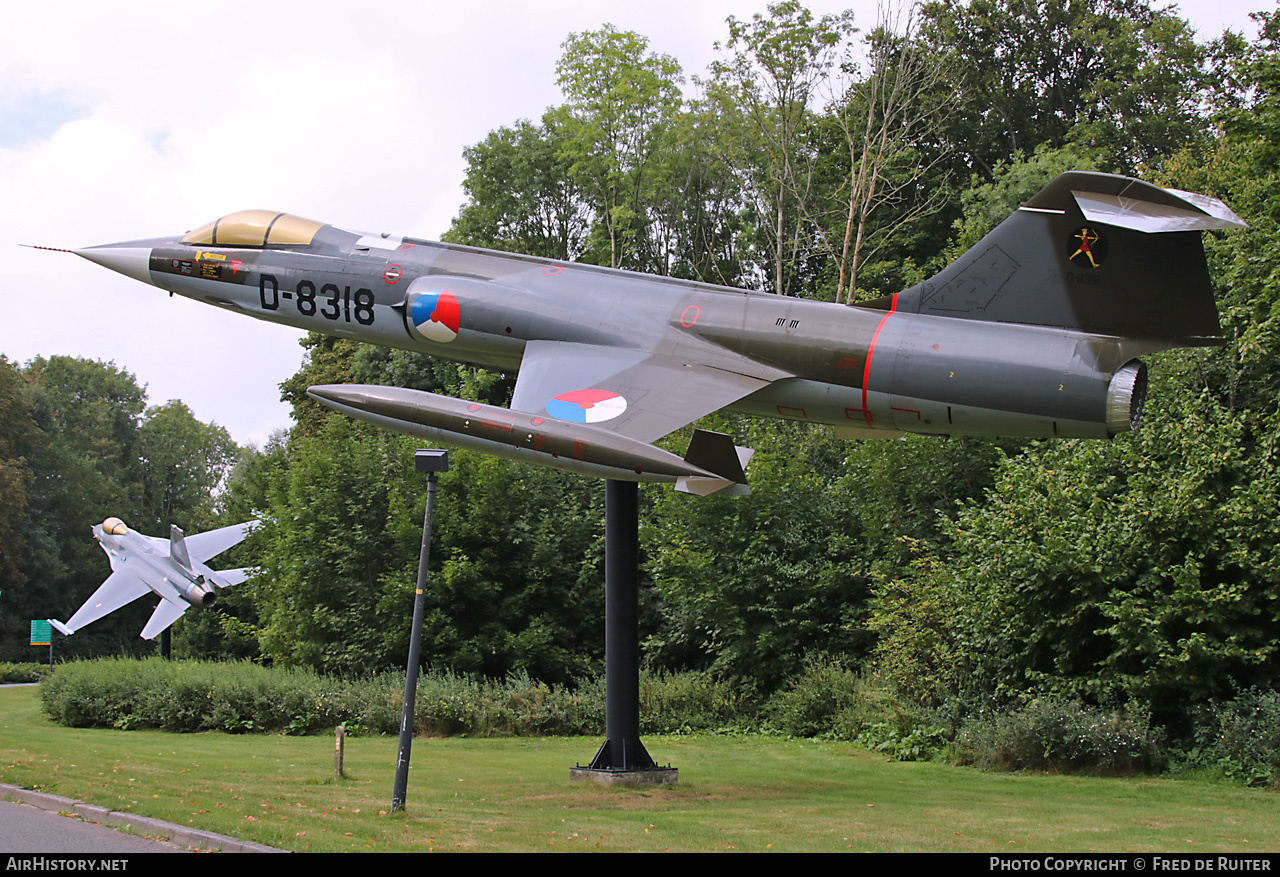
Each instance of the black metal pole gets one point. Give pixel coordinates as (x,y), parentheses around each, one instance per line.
(433,465)
(622,750)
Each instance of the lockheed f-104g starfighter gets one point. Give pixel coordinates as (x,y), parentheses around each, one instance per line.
(1036,331)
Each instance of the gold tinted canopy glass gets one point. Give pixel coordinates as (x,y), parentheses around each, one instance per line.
(255,228)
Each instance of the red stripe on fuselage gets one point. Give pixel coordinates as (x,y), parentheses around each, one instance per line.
(866,371)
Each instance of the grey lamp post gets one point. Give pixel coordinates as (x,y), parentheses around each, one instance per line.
(433,463)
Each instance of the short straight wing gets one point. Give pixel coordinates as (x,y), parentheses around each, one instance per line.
(120,589)
(225,578)
(640,395)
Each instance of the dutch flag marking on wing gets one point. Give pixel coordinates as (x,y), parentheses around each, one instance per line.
(587,406)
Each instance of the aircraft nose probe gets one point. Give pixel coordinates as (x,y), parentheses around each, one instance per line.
(130,261)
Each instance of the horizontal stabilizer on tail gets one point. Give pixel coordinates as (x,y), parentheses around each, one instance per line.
(1194,213)
(227,577)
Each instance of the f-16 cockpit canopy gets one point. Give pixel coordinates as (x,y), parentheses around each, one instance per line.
(255,228)
(114,527)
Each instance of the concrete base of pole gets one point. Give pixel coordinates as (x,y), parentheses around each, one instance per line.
(652,776)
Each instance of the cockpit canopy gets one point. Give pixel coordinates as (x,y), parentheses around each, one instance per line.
(114,527)
(255,228)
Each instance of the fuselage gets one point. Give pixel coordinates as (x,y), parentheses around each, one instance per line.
(149,560)
(868,371)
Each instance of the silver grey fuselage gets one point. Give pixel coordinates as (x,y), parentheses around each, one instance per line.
(867,371)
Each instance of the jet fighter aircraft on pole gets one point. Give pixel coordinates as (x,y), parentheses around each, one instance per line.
(1036,331)
(172,569)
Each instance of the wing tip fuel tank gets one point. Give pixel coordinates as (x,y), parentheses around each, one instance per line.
(522,436)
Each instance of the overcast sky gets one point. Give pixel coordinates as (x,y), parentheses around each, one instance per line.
(135,119)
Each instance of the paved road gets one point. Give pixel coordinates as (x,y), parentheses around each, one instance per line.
(27,829)
(31,822)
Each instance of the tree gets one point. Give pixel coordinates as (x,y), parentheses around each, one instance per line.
(763,91)
(762,583)
(620,103)
(703,207)
(183,463)
(329,548)
(84,468)
(1142,568)
(17,437)
(328,360)
(889,121)
(95,454)
(518,583)
(1115,75)
(522,196)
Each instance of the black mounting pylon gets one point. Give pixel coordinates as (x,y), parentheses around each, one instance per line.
(623,757)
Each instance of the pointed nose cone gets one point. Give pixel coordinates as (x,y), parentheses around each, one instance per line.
(334,393)
(131,261)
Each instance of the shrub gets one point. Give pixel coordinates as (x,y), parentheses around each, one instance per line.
(831,699)
(1242,738)
(810,704)
(680,703)
(13,674)
(1055,735)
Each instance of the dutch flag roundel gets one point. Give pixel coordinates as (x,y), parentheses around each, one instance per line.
(435,315)
(587,406)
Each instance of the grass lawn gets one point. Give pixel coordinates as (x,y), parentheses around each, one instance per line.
(501,795)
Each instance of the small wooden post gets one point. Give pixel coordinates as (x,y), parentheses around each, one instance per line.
(339,747)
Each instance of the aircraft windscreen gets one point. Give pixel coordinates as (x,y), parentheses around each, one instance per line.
(255,228)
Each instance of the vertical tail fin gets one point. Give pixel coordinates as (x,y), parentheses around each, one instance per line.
(178,547)
(1091,252)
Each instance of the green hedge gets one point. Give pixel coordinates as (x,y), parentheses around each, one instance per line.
(11,674)
(828,699)
(187,696)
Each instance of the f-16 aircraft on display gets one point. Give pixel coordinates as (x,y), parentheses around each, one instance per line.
(172,569)
(1036,331)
